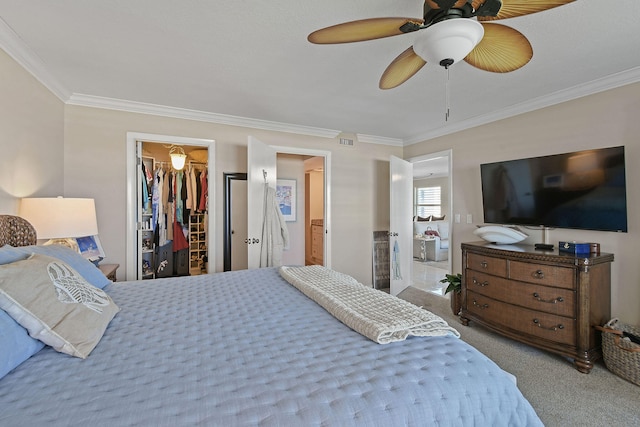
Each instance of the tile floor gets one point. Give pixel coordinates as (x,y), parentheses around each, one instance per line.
(427,276)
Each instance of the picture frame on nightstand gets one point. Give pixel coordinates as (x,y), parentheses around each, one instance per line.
(90,247)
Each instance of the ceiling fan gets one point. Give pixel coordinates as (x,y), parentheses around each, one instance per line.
(448,35)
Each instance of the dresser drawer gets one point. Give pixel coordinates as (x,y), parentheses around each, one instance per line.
(551,327)
(543,298)
(550,275)
(487,264)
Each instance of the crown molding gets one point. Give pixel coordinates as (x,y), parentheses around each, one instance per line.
(372,139)
(599,85)
(20,52)
(202,116)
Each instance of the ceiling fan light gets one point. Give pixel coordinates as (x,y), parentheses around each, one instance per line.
(450,39)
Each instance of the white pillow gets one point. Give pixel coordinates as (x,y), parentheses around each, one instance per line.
(55,304)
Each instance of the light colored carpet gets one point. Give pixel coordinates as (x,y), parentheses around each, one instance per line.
(560,394)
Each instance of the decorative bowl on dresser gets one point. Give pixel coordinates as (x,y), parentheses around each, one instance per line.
(546,299)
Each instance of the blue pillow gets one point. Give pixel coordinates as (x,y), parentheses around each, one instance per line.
(16,345)
(8,254)
(86,268)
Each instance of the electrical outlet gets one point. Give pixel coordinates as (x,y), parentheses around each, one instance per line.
(457,218)
(469,219)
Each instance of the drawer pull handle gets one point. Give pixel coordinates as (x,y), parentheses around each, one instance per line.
(538,274)
(552,328)
(480,306)
(483,284)
(550,301)
(484,264)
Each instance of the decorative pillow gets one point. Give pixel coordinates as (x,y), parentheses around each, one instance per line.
(55,304)
(90,272)
(419,218)
(16,345)
(437,218)
(9,254)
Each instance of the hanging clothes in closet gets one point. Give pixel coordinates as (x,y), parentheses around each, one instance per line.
(170,198)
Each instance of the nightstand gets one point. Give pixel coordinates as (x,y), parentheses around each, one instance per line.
(109,270)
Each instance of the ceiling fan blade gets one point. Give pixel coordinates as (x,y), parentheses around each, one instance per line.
(501,50)
(365,29)
(514,8)
(401,69)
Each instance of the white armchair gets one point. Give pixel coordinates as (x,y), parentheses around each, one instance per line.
(437,247)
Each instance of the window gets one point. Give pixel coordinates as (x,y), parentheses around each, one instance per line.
(427,201)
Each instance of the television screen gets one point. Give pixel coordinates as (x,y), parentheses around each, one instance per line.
(582,190)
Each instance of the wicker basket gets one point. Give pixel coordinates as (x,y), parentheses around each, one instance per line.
(621,356)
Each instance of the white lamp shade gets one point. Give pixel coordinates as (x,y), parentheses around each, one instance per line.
(449,39)
(58,217)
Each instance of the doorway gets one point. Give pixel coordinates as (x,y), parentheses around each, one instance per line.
(269,164)
(432,184)
(136,224)
(235,221)
(305,175)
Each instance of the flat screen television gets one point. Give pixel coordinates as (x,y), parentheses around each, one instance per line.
(580,190)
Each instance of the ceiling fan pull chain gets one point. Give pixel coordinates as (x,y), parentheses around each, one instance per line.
(447,100)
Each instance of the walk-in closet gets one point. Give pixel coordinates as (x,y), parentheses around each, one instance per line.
(172,210)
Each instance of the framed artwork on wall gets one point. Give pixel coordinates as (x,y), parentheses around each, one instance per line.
(286,197)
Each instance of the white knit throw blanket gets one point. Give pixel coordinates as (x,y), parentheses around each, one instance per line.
(377,315)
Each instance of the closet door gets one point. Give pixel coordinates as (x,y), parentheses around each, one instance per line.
(261,168)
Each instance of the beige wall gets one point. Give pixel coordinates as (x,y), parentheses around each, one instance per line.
(95,166)
(601,120)
(31,137)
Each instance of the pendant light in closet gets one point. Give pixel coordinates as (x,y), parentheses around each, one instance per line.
(178,157)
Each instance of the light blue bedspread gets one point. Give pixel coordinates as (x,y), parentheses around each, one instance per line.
(246,348)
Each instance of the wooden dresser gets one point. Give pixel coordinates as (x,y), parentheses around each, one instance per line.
(546,299)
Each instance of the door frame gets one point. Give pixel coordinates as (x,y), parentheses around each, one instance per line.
(132,163)
(449,154)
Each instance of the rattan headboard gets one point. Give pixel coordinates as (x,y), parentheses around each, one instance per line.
(16,231)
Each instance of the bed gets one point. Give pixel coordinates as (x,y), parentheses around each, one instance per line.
(247,348)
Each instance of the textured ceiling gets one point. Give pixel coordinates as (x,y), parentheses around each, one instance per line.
(252,60)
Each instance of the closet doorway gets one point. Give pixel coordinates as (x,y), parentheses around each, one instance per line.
(169,208)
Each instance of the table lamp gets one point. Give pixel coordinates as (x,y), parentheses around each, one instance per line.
(60,219)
